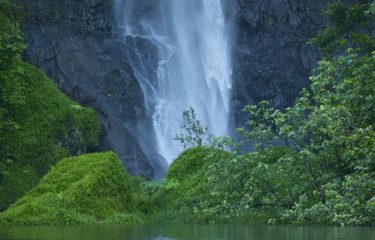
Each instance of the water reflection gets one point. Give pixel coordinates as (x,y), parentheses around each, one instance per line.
(187,232)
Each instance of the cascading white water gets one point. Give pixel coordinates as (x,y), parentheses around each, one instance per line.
(194,67)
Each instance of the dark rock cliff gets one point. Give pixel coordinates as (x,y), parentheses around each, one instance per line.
(75,43)
(272,60)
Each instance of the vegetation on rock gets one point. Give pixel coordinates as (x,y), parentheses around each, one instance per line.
(38,124)
(351,26)
(87,189)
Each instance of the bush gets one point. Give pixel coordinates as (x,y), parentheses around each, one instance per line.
(88,189)
(195,134)
(11,37)
(331,135)
(16,180)
(188,163)
(185,188)
(325,173)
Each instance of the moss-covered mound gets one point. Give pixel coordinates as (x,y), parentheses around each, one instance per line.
(188,163)
(185,186)
(208,185)
(82,190)
(38,127)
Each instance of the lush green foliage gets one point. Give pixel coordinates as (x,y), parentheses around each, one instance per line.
(188,163)
(352,26)
(184,187)
(38,127)
(331,136)
(323,170)
(194,134)
(81,190)
(38,124)
(11,40)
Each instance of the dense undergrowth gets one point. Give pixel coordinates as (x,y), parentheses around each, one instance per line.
(313,163)
(87,189)
(38,124)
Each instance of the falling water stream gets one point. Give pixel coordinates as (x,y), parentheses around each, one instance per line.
(192,66)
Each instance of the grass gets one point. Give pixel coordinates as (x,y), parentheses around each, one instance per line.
(39,126)
(184,188)
(88,189)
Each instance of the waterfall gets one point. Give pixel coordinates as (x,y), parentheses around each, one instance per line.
(187,65)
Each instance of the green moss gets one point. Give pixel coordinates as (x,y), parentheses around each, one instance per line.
(206,185)
(186,173)
(141,199)
(185,187)
(16,181)
(188,163)
(88,189)
(38,126)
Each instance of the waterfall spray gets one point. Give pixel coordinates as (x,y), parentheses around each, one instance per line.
(194,65)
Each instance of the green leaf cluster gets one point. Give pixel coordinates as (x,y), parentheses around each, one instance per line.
(195,134)
(351,26)
(313,162)
(11,37)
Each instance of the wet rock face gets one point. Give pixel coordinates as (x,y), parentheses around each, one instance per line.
(85,16)
(75,43)
(271,58)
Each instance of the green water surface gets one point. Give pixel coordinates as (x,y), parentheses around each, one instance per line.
(188,232)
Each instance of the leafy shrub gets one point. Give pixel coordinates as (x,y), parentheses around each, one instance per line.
(11,37)
(16,180)
(195,134)
(350,27)
(188,163)
(325,173)
(330,132)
